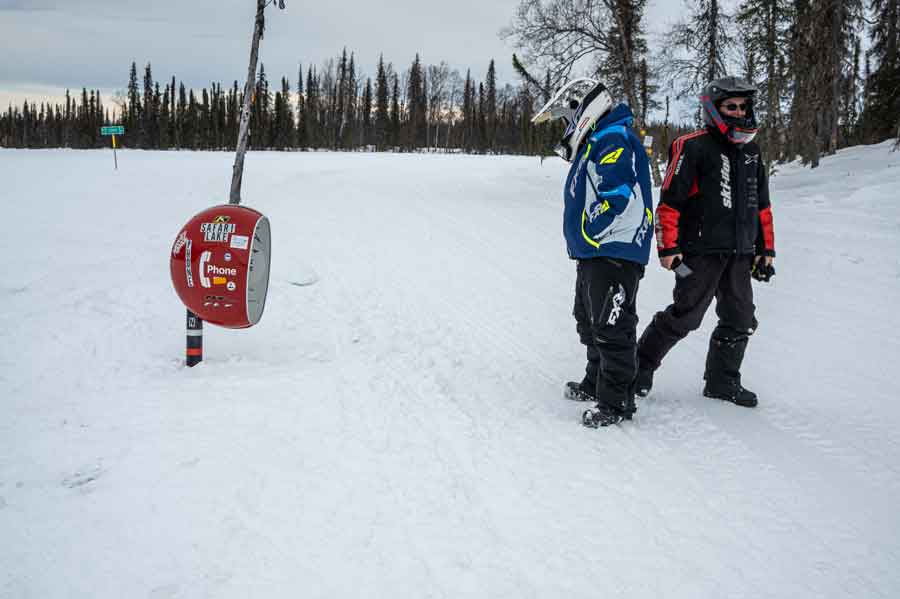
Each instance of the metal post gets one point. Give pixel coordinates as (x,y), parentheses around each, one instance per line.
(244,130)
(115,160)
(194,348)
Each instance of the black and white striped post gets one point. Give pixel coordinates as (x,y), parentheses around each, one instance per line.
(194,347)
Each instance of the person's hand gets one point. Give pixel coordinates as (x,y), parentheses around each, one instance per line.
(763,268)
(767,260)
(667,261)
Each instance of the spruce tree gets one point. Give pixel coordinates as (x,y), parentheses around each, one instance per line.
(340,104)
(422,101)
(468,115)
(490,108)
(301,111)
(26,123)
(415,114)
(156,118)
(819,75)
(164,125)
(98,122)
(765,27)
(481,122)
(69,115)
(259,105)
(90,121)
(394,130)
(133,113)
(181,136)
(882,110)
(382,116)
(365,109)
(312,109)
(145,130)
(203,121)
(350,105)
(284,118)
(84,121)
(172,137)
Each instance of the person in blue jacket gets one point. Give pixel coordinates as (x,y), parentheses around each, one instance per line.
(608,227)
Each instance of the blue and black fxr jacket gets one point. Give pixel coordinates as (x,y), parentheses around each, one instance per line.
(608,198)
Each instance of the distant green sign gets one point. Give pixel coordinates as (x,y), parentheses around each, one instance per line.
(116,130)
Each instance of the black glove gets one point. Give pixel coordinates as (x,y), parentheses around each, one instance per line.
(762,271)
(681,269)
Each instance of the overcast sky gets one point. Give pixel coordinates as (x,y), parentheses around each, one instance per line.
(51,45)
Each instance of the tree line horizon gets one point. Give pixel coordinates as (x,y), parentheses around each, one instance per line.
(814,97)
(324,108)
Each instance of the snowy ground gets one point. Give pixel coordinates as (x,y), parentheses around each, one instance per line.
(394,427)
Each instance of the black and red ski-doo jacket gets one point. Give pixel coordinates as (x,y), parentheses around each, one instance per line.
(714,199)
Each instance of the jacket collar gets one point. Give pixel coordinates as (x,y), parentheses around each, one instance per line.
(620,115)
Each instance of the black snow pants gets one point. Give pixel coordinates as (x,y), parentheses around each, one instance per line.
(606,321)
(725,277)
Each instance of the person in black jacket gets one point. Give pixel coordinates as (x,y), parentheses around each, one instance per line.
(714,229)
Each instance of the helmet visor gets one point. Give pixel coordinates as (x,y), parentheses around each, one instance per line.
(565,102)
(741,135)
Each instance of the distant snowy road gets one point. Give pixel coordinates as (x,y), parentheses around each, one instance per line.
(394,426)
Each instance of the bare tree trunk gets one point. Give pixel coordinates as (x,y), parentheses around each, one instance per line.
(664,145)
(808,71)
(645,91)
(243,135)
(629,78)
(713,41)
(772,104)
(665,139)
(815,141)
(654,169)
(834,98)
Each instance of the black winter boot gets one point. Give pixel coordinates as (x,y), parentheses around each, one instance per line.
(588,386)
(731,391)
(725,355)
(723,367)
(611,408)
(586,390)
(601,415)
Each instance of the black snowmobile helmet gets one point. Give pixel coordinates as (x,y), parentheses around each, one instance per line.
(736,129)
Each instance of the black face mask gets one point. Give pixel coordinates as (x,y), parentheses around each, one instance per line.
(738,130)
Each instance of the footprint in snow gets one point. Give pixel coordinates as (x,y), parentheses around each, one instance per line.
(305,282)
(83,477)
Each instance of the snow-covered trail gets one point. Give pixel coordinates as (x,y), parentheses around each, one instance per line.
(395,427)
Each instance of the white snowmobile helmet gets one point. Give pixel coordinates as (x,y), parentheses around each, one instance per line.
(580,103)
(737,130)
